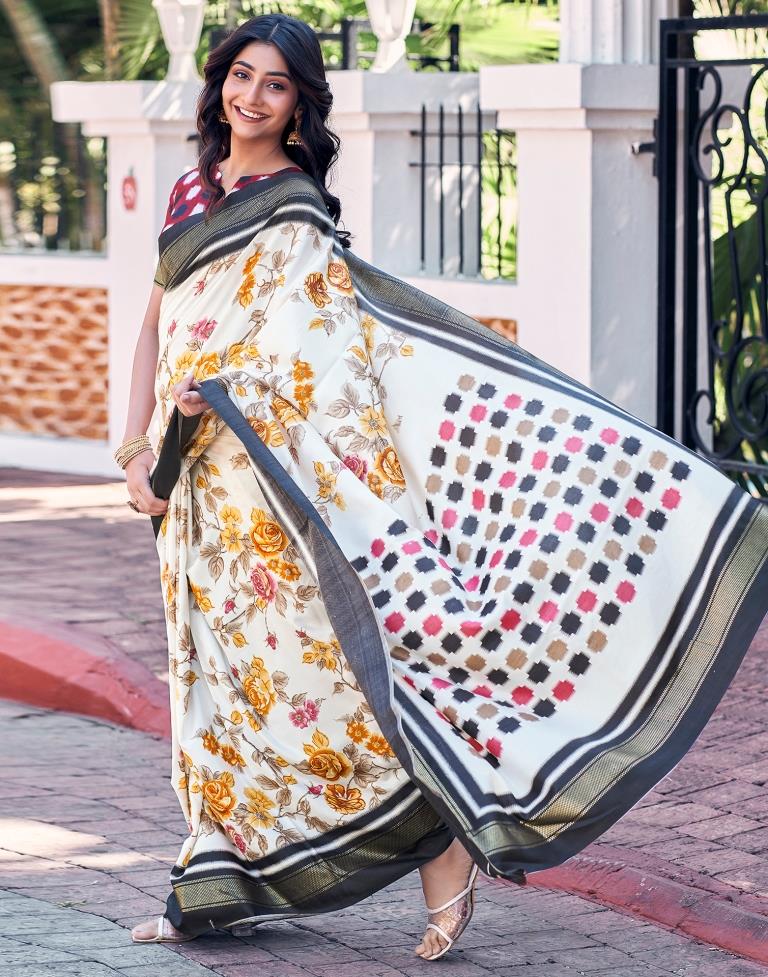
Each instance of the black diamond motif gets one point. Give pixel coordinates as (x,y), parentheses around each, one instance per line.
(570,623)
(538,510)
(491,640)
(527,483)
(482,553)
(609,488)
(538,672)
(599,572)
(425,563)
(631,445)
(471,728)
(463,695)
(680,471)
(438,457)
(455,491)
(560,463)
(531,634)
(498,676)
(507,533)
(508,724)
(389,561)
(610,613)
(467,437)
(544,708)
(496,503)
(453,605)
(546,433)
(458,675)
(486,391)
(397,528)
(621,525)
(644,482)
(573,495)
(595,452)
(482,471)
(549,543)
(512,560)
(381,598)
(488,607)
(415,600)
(452,403)
(586,532)
(582,422)
(359,563)
(534,407)
(560,582)
(469,525)
(635,563)
(499,418)
(656,519)
(579,663)
(523,593)
(451,643)
(514,451)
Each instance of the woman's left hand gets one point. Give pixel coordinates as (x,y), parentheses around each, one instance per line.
(186,397)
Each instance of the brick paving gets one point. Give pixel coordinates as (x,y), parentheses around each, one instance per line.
(74,553)
(89,828)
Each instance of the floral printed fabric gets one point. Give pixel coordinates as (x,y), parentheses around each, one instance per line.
(407,563)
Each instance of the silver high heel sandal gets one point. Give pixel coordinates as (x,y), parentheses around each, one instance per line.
(456,919)
(164,933)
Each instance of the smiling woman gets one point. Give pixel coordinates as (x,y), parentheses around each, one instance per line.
(431,603)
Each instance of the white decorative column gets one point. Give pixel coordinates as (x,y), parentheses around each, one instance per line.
(587,205)
(375,115)
(147,125)
(391,22)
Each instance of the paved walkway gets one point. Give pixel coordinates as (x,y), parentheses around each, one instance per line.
(89,828)
(74,553)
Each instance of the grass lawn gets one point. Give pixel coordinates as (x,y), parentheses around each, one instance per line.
(509,33)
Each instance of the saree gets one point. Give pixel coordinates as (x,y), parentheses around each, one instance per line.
(418,583)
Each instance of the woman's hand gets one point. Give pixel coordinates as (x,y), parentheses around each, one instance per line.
(139,489)
(187,399)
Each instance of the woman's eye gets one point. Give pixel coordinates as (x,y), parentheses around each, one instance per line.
(277,85)
(240,74)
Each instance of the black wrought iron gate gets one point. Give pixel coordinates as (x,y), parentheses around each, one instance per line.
(712,165)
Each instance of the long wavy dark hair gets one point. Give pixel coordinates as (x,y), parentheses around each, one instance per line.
(319,147)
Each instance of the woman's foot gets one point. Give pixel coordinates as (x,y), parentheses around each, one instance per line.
(158,930)
(448,882)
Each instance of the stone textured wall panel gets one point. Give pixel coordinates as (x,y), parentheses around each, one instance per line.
(53,361)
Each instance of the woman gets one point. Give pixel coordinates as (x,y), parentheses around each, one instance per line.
(430,602)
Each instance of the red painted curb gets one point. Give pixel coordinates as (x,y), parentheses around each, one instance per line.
(694,910)
(56,667)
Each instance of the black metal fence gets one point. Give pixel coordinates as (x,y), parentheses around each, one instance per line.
(468,199)
(712,389)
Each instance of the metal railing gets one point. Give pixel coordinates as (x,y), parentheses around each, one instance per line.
(471,209)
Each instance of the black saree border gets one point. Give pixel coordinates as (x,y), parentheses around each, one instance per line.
(225,895)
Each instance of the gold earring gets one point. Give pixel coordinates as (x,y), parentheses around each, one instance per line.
(294,139)
(222,118)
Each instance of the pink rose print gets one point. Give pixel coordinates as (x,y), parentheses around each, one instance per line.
(199,286)
(172,327)
(229,606)
(310,708)
(316,789)
(264,583)
(202,330)
(299,718)
(272,640)
(358,466)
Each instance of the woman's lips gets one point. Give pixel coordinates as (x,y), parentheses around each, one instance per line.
(247,118)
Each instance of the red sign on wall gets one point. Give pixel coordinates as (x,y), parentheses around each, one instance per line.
(129,191)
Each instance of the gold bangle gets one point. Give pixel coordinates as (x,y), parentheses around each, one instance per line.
(131,448)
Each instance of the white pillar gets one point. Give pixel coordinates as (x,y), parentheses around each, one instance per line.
(588,206)
(147,125)
(376,115)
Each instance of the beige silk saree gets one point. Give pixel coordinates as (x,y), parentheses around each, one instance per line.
(417,582)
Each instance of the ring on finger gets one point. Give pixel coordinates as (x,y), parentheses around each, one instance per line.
(133,504)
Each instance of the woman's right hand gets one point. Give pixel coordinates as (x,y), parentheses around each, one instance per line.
(139,489)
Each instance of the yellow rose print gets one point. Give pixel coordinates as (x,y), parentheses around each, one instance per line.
(372,421)
(259,808)
(338,276)
(324,761)
(388,467)
(258,687)
(218,796)
(345,800)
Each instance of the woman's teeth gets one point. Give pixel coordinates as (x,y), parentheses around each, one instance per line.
(252,116)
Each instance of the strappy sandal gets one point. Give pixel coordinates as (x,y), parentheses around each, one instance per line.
(456,919)
(164,933)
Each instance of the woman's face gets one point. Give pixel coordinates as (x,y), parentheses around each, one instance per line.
(258,94)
